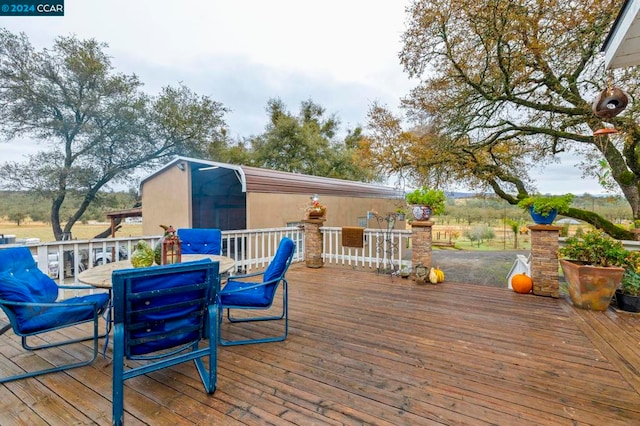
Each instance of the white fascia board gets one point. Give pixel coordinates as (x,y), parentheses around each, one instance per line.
(623,46)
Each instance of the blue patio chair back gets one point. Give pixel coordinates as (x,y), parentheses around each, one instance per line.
(161,314)
(258,291)
(200,240)
(29,299)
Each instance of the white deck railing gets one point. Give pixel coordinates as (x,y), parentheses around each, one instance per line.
(383,250)
(251,249)
(254,248)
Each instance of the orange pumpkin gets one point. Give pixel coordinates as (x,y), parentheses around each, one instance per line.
(521,283)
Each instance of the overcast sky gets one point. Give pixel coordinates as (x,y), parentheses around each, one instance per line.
(341,54)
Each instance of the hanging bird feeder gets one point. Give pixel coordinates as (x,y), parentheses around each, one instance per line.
(611,102)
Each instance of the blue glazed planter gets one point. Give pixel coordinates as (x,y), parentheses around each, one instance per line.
(543,220)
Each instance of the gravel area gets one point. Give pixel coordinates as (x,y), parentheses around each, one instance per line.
(476,267)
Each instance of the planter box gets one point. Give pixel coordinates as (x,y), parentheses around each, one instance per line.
(591,287)
(627,302)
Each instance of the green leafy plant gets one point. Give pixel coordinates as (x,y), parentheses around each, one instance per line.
(631,280)
(630,283)
(595,248)
(433,198)
(401,210)
(543,205)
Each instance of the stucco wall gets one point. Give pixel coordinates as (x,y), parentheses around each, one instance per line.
(166,199)
(274,210)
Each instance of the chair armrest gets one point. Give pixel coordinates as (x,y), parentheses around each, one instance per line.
(250,287)
(77,287)
(240,277)
(48,304)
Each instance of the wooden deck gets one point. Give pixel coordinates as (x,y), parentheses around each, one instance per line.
(366,349)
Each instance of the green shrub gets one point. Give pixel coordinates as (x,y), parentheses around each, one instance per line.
(543,205)
(433,198)
(595,248)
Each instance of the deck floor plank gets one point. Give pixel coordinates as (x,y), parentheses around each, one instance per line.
(369,349)
(16,411)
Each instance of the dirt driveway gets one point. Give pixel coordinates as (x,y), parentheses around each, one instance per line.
(476,267)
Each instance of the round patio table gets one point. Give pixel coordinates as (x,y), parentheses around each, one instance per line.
(100,275)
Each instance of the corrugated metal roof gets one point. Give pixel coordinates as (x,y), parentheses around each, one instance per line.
(134,212)
(256,179)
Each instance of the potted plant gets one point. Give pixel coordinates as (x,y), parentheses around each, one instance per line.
(405,270)
(593,267)
(426,202)
(628,294)
(315,209)
(401,213)
(543,209)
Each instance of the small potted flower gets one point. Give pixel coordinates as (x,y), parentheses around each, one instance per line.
(315,209)
(544,209)
(401,213)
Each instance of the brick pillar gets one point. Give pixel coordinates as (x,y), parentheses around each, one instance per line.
(313,243)
(544,259)
(421,244)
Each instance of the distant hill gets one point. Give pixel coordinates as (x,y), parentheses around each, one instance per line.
(456,195)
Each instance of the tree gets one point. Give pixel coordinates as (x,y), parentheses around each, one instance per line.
(514,225)
(506,86)
(97,125)
(306,143)
(17,216)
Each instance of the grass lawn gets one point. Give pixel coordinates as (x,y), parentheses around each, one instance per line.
(502,241)
(80,231)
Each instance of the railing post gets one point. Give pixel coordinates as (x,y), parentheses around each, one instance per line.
(313,243)
(544,259)
(421,236)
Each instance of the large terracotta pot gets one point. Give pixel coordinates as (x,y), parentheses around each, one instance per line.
(591,287)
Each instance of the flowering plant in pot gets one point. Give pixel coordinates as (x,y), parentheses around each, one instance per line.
(543,209)
(315,209)
(593,266)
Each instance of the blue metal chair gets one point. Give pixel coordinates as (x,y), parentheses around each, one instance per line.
(200,240)
(29,299)
(258,295)
(161,314)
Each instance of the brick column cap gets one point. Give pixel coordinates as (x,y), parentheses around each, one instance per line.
(422,224)
(320,221)
(544,227)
